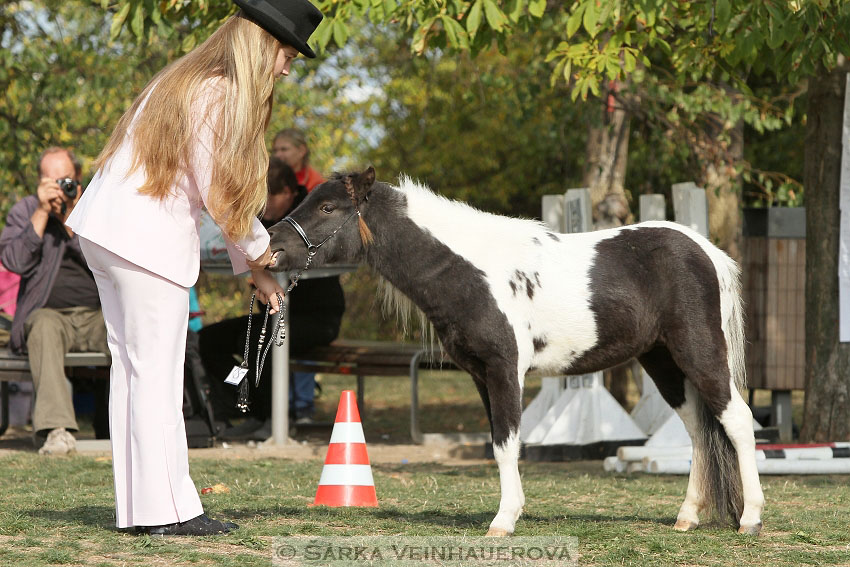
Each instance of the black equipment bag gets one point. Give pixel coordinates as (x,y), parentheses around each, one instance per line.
(201,425)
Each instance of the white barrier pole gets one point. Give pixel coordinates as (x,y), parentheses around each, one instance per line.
(638,453)
(767,466)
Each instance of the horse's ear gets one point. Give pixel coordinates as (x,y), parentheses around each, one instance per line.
(363,184)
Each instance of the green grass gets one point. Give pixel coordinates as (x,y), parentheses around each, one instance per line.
(60,512)
(449,403)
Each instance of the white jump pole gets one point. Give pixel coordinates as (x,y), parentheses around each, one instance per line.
(638,453)
(767,466)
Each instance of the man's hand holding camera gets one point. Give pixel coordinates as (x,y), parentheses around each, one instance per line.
(56,197)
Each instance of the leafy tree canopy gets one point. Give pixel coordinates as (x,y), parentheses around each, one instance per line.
(600,41)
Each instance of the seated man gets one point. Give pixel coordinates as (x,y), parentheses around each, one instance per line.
(315,314)
(58,308)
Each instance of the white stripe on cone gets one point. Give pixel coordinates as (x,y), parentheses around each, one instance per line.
(347,475)
(348,432)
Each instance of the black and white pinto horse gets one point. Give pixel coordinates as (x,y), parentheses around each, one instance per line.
(507,296)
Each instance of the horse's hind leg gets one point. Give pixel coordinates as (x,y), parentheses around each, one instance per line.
(505,409)
(738,480)
(737,420)
(681,396)
(688,517)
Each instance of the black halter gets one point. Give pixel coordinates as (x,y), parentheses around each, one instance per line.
(279,333)
(312,249)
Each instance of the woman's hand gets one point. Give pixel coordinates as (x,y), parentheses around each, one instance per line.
(263,261)
(267,288)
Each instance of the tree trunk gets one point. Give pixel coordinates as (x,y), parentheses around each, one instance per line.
(722,189)
(605,175)
(827,408)
(605,166)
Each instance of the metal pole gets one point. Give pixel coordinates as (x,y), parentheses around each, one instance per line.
(280,378)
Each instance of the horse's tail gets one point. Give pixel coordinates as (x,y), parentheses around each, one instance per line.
(716,463)
(720,480)
(732,314)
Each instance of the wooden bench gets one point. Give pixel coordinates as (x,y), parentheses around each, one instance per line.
(17,369)
(370,358)
(352,358)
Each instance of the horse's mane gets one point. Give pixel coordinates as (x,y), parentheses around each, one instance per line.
(394,301)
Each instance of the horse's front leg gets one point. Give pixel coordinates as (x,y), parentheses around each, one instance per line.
(505,397)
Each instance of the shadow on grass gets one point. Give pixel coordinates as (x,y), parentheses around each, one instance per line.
(436,518)
(430,468)
(95,516)
(600,519)
(104,517)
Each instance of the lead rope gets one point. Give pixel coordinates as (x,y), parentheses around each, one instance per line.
(243,401)
(278,336)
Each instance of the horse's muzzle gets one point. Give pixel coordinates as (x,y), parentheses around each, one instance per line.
(278,257)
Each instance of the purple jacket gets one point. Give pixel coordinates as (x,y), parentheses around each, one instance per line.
(35,259)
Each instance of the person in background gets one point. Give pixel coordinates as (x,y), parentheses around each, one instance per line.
(58,308)
(193,138)
(315,314)
(290,145)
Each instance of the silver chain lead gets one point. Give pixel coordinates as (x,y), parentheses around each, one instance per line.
(277,338)
(279,333)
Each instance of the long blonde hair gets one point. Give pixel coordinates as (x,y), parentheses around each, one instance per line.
(243,54)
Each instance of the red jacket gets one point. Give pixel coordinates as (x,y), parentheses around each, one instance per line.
(309,177)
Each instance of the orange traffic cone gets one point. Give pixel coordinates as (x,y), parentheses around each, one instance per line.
(347,475)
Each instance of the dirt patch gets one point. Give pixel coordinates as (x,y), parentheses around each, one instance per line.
(18,440)
(455,454)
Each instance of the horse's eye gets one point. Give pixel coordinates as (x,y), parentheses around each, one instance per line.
(328,208)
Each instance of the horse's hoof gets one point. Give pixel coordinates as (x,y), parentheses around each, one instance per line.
(685,525)
(753,530)
(498,532)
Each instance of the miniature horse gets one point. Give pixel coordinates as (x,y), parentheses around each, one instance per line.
(507,296)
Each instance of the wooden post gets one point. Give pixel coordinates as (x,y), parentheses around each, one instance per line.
(780,415)
(690,206)
(553,212)
(652,207)
(577,212)
(568,213)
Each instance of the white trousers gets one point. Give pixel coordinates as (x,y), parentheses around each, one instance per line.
(146,318)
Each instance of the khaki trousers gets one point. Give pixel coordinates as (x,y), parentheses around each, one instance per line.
(51,333)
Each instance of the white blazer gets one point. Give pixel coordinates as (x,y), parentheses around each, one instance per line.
(161,236)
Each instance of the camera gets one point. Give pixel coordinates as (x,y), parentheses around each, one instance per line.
(68,187)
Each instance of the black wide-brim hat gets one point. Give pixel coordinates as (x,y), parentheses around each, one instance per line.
(290,21)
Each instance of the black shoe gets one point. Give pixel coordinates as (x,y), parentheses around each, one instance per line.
(199,525)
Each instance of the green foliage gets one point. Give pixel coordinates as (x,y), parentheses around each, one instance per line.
(681,59)
(64,84)
(600,41)
(680,128)
(773,159)
(487,130)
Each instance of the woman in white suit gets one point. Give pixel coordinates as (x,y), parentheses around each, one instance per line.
(193,138)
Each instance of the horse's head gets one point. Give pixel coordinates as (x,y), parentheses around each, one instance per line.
(328,224)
